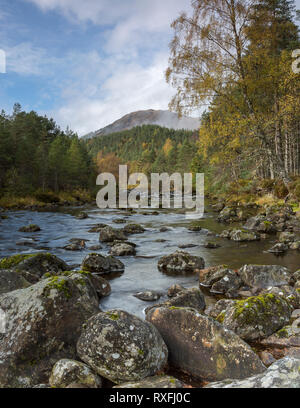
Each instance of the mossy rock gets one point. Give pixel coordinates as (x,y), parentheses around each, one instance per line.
(258,317)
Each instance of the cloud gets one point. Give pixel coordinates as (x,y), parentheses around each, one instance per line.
(129,88)
(126,73)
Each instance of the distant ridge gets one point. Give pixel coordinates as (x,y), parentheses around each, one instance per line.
(148,117)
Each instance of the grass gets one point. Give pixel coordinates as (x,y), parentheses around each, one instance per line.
(10,201)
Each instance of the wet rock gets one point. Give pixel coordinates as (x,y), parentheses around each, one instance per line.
(30,228)
(230,282)
(82,216)
(287,237)
(213,275)
(34,267)
(74,247)
(278,248)
(26,242)
(264,276)
(148,296)
(194,227)
(66,372)
(257,317)
(122,347)
(133,229)
(97,228)
(225,234)
(175,289)
(239,235)
(122,249)
(285,373)
(158,381)
(186,246)
(119,221)
(164,229)
(95,248)
(201,347)
(192,298)
(109,234)
(10,281)
(266,358)
(180,261)
(260,224)
(101,285)
(228,214)
(295,245)
(218,310)
(96,263)
(43,324)
(211,245)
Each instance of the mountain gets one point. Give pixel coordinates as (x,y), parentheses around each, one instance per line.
(148,117)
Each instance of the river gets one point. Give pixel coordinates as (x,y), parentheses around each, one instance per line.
(141,272)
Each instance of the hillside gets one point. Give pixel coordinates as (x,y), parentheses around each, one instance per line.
(148,117)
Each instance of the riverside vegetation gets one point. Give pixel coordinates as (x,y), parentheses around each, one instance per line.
(238,325)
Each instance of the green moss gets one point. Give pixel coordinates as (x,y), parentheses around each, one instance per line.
(283,333)
(60,284)
(141,353)
(113,316)
(221,317)
(257,308)
(10,262)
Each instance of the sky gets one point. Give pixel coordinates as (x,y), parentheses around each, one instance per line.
(86,63)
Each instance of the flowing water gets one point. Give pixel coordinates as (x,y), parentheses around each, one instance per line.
(141,272)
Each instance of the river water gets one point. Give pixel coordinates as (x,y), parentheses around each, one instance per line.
(141,272)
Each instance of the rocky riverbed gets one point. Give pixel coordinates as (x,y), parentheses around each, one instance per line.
(147,298)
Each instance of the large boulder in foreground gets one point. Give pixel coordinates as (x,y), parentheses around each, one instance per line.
(96,263)
(157,381)
(180,261)
(202,347)
(34,267)
(122,347)
(285,373)
(66,372)
(257,317)
(43,324)
(264,276)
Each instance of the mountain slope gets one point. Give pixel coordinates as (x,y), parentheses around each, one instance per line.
(147,117)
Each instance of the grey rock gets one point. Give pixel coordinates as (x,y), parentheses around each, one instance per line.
(96,263)
(180,261)
(122,347)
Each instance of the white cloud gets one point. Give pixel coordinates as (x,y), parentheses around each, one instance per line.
(134,36)
(129,88)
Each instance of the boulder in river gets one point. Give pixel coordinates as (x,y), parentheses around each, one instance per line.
(278,248)
(97,228)
(97,263)
(192,298)
(82,216)
(30,228)
(175,289)
(257,317)
(133,229)
(264,276)
(180,261)
(284,373)
(66,372)
(109,234)
(287,237)
(43,324)
(34,267)
(122,249)
(203,348)
(148,296)
(242,235)
(122,347)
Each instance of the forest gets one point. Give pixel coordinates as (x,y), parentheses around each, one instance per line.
(232,57)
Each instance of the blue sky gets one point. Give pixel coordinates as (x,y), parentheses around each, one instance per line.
(86,63)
